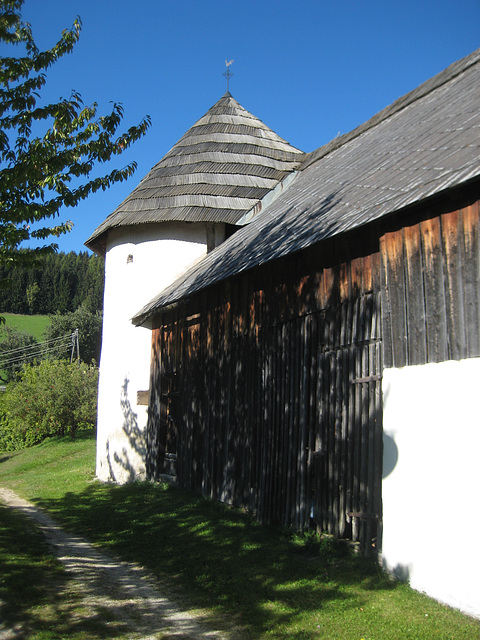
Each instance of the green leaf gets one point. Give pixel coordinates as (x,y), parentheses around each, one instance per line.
(36,171)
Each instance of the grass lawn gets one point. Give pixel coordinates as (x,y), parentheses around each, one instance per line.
(34,325)
(35,591)
(263,582)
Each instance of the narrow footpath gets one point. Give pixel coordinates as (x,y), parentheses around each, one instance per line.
(120,592)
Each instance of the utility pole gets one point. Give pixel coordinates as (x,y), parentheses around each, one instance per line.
(75,344)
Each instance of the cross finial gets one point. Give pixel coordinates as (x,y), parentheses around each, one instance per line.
(228,74)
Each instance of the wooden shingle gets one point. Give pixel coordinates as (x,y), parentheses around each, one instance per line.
(227,147)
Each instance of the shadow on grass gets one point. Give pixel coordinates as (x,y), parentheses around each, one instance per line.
(219,558)
(36,599)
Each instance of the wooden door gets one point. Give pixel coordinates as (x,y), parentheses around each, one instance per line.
(346,460)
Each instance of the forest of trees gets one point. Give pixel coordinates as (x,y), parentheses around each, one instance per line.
(61,283)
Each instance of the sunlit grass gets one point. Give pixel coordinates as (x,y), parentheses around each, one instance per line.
(37,599)
(34,325)
(264,582)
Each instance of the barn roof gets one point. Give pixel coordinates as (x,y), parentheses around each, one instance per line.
(218,171)
(424,143)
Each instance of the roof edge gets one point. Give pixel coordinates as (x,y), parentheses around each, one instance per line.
(453,70)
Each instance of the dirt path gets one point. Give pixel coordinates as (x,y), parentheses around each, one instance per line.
(120,592)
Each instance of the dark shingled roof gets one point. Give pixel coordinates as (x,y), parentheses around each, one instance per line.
(424,143)
(217,172)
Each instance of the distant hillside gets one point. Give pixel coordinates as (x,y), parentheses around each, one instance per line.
(34,325)
(61,283)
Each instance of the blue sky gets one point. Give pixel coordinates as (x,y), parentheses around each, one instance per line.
(309,70)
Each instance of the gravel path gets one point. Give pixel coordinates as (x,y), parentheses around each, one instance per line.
(117,591)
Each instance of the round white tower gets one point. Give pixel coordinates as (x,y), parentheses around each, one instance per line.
(213,179)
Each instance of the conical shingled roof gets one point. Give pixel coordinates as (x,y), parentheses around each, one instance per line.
(217,172)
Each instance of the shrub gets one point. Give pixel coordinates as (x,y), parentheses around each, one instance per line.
(89,325)
(54,397)
(16,349)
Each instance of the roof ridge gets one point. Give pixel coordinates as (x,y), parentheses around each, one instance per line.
(451,72)
(215,148)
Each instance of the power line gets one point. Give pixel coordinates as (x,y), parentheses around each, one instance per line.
(40,349)
(37,344)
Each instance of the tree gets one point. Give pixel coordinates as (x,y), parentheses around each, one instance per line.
(32,294)
(16,349)
(89,325)
(82,275)
(42,172)
(48,399)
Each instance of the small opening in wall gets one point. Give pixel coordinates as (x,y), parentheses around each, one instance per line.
(129,258)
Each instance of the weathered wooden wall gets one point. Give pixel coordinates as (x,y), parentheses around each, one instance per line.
(267,390)
(431,290)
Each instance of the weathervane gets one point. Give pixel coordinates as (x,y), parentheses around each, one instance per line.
(228,74)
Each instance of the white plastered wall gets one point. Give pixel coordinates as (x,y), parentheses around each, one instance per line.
(139,263)
(431,485)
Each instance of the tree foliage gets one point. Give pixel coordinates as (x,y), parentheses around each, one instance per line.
(89,325)
(51,398)
(59,283)
(17,348)
(48,150)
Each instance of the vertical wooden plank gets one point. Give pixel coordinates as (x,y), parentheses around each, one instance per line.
(235,413)
(323,458)
(211,392)
(356,270)
(299,422)
(228,393)
(311,414)
(219,364)
(302,513)
(283,417)
(357,444)
(367,274)
(317,480)
(343,438)
(471,278)
(312,424)
(276,422)
(197,417)
(249,400)
(223,422)
(291,349)
(251,396)
(266,432)
(328,288)
(258,389)
(331,448)
(371,432)
(453,246)
(393,301)
(435,307)
(415,297)
(378,461)
(364,455)
(350,443)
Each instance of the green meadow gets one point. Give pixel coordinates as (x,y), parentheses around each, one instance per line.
(34,325)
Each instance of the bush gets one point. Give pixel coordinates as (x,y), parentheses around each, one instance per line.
(89,325)
(54,397)
(16,349)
